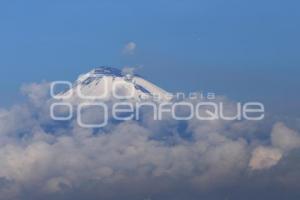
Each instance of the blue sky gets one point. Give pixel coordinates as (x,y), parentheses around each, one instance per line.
(243,49)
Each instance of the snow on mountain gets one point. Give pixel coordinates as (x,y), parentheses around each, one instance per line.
(107,83)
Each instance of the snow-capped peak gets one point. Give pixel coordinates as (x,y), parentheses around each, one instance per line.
(106,83)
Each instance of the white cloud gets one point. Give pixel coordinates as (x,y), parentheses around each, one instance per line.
(264,157)
(129,48)
(284,137)
(37,93)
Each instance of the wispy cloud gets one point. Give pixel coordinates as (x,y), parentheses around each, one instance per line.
(129,48)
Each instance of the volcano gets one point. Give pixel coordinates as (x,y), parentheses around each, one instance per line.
(107,83)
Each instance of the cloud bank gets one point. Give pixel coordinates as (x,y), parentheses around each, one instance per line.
(44,159)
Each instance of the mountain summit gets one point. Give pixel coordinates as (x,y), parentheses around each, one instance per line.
(108,83)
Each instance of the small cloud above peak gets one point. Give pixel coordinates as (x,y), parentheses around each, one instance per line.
(129,48)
